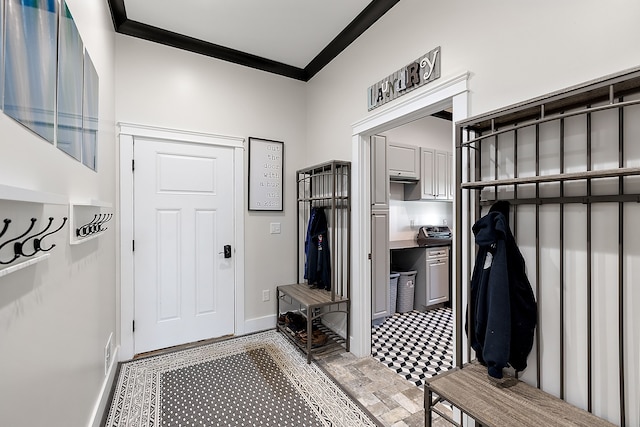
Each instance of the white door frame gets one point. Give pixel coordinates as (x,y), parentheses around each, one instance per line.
(127,134)
(448,92)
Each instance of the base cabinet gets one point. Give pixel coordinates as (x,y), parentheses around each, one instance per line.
(432,282)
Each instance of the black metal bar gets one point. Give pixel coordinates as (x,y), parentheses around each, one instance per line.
(495,160)
(515,186)
(589,277)
(562,358)
(469,250)
(612,198)
(538,290)
(539,121)
(476,217)
(621,267)
(459,338)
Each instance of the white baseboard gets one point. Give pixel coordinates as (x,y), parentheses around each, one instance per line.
(259,324)
(102,402)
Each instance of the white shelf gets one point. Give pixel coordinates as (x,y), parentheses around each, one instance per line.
(32,196)
(79,240)
(23,264)
(92,202)
(96,206)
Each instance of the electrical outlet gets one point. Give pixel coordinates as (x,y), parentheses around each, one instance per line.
(107,354)
(266,295)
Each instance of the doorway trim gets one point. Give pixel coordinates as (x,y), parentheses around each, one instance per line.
(127,133)
(451,92)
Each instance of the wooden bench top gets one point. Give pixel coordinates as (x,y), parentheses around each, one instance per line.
(470,390)
(310,297)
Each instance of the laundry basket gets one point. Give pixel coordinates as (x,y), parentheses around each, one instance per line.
(406,291)
(393,292)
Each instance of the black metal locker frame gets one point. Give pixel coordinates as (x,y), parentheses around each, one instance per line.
(472,133)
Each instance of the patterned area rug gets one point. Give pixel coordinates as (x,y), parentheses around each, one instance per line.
(254,380)
(417,345)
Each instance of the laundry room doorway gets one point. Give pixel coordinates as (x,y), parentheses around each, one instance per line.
(182,270)
(450,94)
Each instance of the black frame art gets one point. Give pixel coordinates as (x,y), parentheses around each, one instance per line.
(266,170)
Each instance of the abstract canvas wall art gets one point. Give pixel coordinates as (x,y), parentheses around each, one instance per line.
(70,83)
(90,113)
(30,64)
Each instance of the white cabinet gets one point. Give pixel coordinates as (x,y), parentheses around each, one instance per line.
(437,276)
(380,265)
(403,161)
(436,169)
(379,228)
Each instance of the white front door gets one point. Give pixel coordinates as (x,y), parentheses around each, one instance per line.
(183,218)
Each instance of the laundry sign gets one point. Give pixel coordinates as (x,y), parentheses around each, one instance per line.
(418,73)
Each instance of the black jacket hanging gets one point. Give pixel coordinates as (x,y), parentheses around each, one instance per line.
(504,307)
(318,262)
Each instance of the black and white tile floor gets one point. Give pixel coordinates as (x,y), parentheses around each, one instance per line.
(416,345)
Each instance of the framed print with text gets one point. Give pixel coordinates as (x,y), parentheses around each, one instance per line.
(266,169)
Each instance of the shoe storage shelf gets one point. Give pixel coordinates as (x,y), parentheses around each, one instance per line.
(323,187)
(311,304)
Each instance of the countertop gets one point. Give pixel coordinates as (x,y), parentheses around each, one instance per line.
(409,244)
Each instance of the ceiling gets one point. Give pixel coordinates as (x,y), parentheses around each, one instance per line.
(292,38)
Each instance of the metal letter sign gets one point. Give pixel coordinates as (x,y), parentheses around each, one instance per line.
(420,72)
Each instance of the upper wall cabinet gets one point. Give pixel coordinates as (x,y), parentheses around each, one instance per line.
(435,177)
(403,161)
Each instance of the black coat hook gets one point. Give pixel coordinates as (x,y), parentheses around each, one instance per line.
(85,230)
(19,246)
(37,242)
(17,255)
(6,226)
(107,218)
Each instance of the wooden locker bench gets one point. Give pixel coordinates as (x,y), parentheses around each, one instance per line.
(470,390)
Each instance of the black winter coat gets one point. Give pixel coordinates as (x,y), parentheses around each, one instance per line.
(504,311)
(318,262)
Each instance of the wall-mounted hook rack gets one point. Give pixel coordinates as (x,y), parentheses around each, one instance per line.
(88,220)
(20,240)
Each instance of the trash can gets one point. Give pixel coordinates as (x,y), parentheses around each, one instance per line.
(406,291)
(393,292)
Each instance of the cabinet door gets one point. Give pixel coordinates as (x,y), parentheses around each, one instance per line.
(442,180)
(379,264)
(403,160)
(428,177)
(379,173)
(438,281)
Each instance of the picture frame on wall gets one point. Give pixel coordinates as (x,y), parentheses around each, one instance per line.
(266,170)
(70,85)
(30,64)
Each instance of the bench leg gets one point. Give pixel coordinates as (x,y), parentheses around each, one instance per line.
(427,407)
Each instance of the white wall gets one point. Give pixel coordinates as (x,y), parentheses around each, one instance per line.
(161,86)
(56,316)
(514,51)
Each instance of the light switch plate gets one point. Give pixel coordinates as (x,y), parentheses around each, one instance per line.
(275,228)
